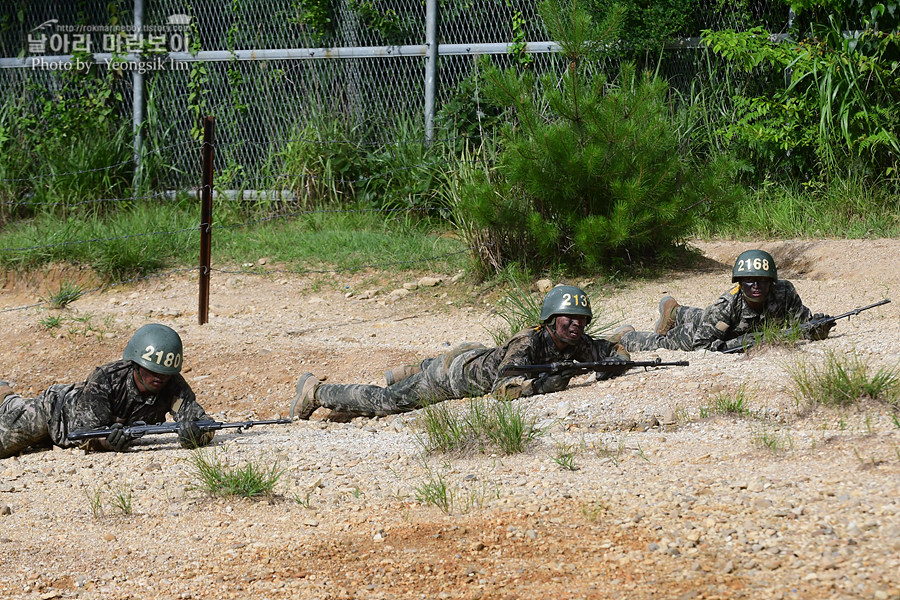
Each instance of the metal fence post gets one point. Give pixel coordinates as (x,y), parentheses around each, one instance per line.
(137,96)
(431,66)
(206,190)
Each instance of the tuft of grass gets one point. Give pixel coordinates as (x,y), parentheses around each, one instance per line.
(122,497)
(594,511)
(724,403)
(64,295)
(486,423)
(95,500)
(435,491)
(771,438)
(51,322)
(217,478)
(565,457)
(844,379)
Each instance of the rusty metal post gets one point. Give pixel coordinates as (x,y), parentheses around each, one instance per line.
(206,192)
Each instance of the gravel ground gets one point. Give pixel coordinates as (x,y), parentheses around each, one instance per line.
(665,501)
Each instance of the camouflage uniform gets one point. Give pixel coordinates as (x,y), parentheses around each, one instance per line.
(466,371)
(728,323)
(109,396)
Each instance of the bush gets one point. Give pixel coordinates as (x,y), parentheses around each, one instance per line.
(591,173)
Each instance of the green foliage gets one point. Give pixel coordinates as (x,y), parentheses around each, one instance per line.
(847,206)
(486,424)
(324,160)
(823,104)
(393,27)
(65,294)
(436,491)
(565,456)
(63,149)
(316,17)
(844,379)
(591,174)
(216,478)
(647,26)
(735,403)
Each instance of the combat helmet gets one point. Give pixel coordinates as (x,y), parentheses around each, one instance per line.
(157,348)
(754,263)
(566,300)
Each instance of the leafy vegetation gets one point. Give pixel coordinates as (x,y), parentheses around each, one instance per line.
(590,173)
(215,477)
(845,379)
(486,424)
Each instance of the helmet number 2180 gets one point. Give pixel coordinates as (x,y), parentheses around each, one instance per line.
(166,359)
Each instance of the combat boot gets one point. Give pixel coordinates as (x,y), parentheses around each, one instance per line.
(305,403)
(5,390)
(400,373)
(616,336)
(667,307)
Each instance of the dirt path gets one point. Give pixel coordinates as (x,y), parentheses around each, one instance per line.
(699,508)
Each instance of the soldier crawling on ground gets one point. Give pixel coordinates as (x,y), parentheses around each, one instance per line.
(473,370)
(757,300)
(142,387)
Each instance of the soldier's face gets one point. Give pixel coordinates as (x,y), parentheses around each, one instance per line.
(150,382)
(570,327)
(755,289)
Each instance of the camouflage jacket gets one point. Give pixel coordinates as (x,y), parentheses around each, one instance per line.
(534,346)
(728,322)
(110,395)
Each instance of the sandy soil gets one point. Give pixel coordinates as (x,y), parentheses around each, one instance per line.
(666,500)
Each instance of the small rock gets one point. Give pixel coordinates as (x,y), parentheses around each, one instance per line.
(544,285)
(429,281)
(5,510)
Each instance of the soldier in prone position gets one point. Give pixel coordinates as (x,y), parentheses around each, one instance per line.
(757,299)
(145,386)
(472,370)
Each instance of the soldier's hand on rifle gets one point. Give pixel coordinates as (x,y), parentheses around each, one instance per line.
(820,332)
(545,384)
(189,434)
(117,440)
(613,370)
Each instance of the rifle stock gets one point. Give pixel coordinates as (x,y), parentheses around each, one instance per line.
(812,324)
(573,368)
(137,431)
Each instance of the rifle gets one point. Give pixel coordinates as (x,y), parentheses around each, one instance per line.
(573,368)
(140,430)
(811,324)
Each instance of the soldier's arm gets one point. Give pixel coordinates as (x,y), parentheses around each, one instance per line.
(794,309)
(91,409)
(519,351)
(715,327)
(186,408)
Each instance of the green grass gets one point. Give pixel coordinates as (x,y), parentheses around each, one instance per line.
(847,208)
(435,490)
(565,456)
(63,296)
(319,241)
(217,478)
(735,403)
(485,425)
(844,379)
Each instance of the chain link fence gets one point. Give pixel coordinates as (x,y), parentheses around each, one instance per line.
(270,69)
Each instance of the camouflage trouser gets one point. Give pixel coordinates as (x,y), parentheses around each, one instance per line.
(25,422)
(680,337)
(441,378)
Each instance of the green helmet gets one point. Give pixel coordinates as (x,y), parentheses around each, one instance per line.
(155,347)
(566,300)
(754,263)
